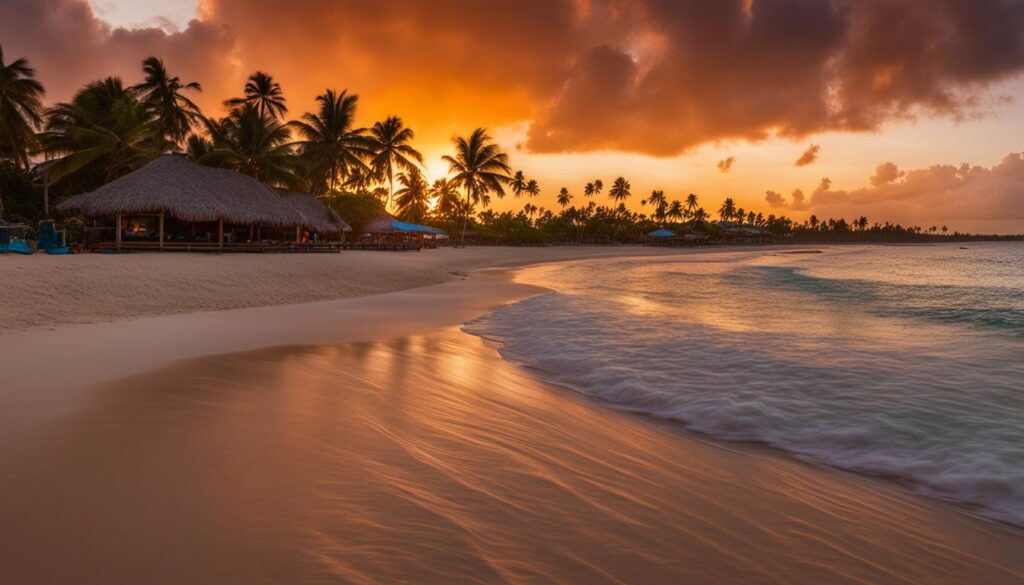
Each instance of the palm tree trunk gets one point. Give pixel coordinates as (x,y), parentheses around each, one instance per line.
(465,218)
(391,190)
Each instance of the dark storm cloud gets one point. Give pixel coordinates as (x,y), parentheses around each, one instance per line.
(650,76)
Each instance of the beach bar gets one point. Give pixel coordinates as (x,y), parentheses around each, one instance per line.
(175,204)
(385,232)
(669,238)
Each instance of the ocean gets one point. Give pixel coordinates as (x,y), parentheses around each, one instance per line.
(905,362)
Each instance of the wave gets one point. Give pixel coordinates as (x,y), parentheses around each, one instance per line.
(990,306)
(940,409)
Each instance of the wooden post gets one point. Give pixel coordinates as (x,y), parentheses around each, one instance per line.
(161,230)
(117,235)
(298,233)
(220,234)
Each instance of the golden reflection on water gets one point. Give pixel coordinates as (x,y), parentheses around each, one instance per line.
(429,460)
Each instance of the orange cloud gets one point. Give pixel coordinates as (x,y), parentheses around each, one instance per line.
(649,76)
(989,198)
(725,165)
(885,173)
(797,202)
(69,46)
(809,156)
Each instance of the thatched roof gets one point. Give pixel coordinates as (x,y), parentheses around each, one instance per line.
(315,215)
(387,224)
(380,225)
(189,192)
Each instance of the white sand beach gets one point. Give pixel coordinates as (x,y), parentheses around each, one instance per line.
(366,440)
(42,290)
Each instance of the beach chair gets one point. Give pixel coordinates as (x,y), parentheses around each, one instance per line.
(9,243)
(50,240)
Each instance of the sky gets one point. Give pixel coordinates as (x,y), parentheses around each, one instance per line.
(902,110)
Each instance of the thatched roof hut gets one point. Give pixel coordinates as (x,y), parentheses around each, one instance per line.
(315,215)
(192,192)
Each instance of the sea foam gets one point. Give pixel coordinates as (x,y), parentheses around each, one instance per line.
(840,371)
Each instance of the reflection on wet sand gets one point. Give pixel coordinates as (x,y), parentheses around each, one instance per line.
(430,460)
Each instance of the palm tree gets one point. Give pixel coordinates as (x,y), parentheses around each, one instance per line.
(413,198)
(564,198)
(101,134)
(479,167)
(657,198)
(21,104)
(518,184)
(197,146)
(620,190)
(331,147)
(675,210)
(728,209)
(691,205)
(253,144)
(447,203)
(700,215)
(264,93)
(392,150)
(532,188)
(813,222)
(588,190)
(173,112)
(598,186)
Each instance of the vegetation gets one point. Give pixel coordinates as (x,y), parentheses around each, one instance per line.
(413,198)
(108,129)
(21,104)
(331,149)
(479,167)
(391,149)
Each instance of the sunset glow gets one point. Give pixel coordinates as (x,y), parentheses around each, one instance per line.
(657,92)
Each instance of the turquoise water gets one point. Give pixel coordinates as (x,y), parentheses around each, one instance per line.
(900,361)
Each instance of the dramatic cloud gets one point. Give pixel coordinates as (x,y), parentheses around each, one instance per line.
(69,46)
(649,76)
(726,165)
(808,157)
(965,196)
(694,71)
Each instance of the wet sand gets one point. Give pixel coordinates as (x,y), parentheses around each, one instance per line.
(428,459)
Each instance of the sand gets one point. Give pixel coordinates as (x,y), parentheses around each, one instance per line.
(428,459)
(367,440)
(42,290)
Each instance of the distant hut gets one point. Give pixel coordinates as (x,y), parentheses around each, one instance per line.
(661,237)
(385,231)
(173,203)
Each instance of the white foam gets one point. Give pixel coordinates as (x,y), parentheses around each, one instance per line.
(937,406)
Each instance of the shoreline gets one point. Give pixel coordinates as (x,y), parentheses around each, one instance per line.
(94,352)
(105,350)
